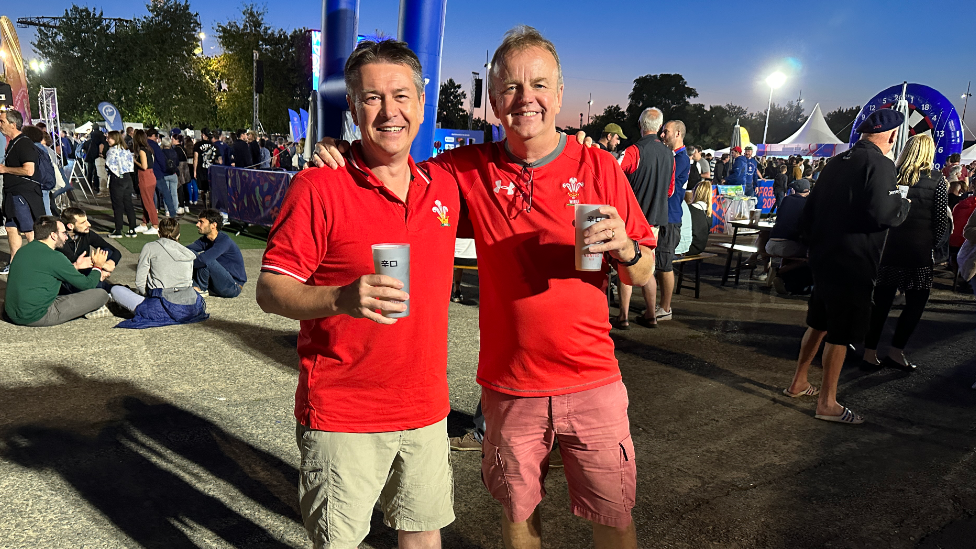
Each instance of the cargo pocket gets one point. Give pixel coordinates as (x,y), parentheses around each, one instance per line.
(493,474)
(628,472)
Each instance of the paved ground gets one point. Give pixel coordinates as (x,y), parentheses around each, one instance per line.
(183,436)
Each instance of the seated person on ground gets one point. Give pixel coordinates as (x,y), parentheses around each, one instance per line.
(81,239)
(164,280)
(38,272)
(219,266)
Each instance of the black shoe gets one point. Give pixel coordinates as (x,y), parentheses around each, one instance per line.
(115,235)
(887,362)
(645,322)
(870,366)
(132,233)
(456,297)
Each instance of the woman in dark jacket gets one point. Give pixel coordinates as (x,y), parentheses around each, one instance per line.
(906,263)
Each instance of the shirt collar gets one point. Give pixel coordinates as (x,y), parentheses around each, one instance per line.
(355,158)
(542,161)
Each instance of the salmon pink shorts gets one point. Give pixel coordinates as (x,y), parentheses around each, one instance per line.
(594,439)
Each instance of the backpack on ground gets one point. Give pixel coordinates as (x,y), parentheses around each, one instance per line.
(44,174)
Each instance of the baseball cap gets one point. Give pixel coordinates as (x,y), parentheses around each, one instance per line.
(614,128)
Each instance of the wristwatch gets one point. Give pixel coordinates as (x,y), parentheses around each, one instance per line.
(632,262)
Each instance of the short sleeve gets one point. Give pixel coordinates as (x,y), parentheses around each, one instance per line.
(631,160)
(622,195)
(298,240)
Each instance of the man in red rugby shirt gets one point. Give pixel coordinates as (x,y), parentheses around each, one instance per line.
(546,366)
(372,400)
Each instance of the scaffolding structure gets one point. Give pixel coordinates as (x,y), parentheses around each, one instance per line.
(47,102)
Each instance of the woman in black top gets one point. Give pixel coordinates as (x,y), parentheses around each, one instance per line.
(906,263)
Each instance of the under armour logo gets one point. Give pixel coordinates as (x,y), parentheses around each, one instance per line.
(510,188)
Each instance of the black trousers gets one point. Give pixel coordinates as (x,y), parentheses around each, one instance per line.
(121,192)
(915,301)
(92,174)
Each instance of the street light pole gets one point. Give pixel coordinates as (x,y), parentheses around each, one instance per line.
(774,80)
(588,105)
(581,121)
(966,103)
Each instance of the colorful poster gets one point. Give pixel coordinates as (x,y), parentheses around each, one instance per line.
(249,196)
(113,119)
(14,64)
(445,139)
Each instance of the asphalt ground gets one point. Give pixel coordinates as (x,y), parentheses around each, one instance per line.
(184,436)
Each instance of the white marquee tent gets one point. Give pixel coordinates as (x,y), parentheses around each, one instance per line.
(969,155)
(814,130)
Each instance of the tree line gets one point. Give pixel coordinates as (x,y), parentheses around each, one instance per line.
(154,71)
(707,127)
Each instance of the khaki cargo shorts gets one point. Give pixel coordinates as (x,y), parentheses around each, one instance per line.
(343,475)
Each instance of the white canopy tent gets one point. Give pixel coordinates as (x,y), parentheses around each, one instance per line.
(968,155)
(814,130)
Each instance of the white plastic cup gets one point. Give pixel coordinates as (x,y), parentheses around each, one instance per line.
(586,216)
(903,189)
(394,260)
(755,216)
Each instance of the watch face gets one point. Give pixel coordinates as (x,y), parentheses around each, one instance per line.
(928,112)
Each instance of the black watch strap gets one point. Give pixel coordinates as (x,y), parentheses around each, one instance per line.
(632,262)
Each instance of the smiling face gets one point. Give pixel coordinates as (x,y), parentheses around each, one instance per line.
(526,95)
(388,110)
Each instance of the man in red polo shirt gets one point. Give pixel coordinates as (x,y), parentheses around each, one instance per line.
(372,396)
(546,366)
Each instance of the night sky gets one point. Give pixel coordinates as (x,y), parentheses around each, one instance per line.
(835,53)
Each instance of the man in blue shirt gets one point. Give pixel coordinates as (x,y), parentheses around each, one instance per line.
(673,136)
(219,266)
(159,171)
(745,171)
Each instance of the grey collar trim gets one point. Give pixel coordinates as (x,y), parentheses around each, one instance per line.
(542,161)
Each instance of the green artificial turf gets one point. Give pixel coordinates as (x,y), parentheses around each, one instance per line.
(254,239)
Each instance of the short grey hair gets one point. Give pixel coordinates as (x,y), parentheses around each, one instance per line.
(166,142)
(690,149)
(385,51)
(651,120)
(14,117)
(955,173)
(519,38)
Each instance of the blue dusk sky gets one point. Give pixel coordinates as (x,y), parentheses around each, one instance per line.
(838,54)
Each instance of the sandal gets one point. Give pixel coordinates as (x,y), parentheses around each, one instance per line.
(810,391)
(621,324)
(645,322)
(847,416)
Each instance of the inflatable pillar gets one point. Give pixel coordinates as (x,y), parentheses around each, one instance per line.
(340,21)
(422,28)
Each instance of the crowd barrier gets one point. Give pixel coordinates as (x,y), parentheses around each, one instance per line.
(253,197)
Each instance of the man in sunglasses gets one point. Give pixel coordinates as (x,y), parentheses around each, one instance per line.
(547,366)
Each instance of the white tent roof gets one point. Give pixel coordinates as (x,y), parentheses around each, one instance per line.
(968,155)
(814,130)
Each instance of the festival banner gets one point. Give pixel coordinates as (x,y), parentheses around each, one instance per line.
(14,65)
(303,114)
(295,125)
(249,196)
(113,120)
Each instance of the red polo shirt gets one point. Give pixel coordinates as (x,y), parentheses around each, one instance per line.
(356,375)
(544,325)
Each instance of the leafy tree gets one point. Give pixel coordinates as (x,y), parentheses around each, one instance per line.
(840,120)
(668,92)
(611,114)
(450,106)
(287,71)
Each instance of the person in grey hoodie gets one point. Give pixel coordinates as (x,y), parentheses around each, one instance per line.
(164,264)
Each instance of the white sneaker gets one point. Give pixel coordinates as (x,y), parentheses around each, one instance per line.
(179,211)
(3,231)
(661,314)
(141,229)
(154,230)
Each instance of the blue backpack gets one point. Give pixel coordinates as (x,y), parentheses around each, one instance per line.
(44,170)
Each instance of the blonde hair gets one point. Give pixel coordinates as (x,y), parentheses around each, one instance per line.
(703,193)
(915,158)
(520,38)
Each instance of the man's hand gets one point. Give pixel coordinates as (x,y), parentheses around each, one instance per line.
(328,152)
(83,262)
(98,259)
(368,293)
(613,235)
(109,266)
(583,140)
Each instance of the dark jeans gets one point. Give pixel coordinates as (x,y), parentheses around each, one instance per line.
(92,174)
(213,277)
(121,189)
(915,301)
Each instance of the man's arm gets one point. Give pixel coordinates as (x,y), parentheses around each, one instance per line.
(631,160)
(885,206)
(969,233)
(97,241)
(285,296)
(26,170)
(65,271)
